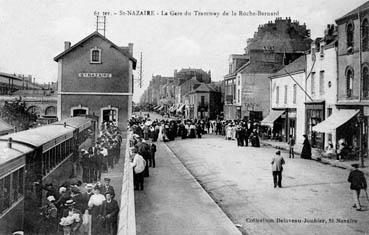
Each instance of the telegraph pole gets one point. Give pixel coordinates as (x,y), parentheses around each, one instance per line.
(101,24)
(141,70)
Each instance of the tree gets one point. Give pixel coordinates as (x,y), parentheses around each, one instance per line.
(15,113)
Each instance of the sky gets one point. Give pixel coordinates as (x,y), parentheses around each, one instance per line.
(33,31)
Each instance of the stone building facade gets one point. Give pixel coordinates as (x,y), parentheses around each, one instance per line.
(95,77)
(273,46)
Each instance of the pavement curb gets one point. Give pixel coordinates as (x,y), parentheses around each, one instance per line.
(224,215)
(320,160)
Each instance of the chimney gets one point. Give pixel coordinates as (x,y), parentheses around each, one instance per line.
(10,141)
(130,48)
(66,45)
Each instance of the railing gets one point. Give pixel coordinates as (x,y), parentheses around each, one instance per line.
(127,215)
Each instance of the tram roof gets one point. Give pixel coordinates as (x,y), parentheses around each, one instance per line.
(8,154)
(75,122)
(38,136)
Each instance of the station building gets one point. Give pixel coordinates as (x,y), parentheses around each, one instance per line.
(95,78)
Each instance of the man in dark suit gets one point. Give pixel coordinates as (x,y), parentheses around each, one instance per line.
(277,168)
(107,187)
(358,182)
(110,213)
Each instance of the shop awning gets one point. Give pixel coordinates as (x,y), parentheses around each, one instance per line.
(336,120)
(270,119)
(180,109)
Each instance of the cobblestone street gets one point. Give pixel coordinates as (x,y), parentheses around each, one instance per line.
(239,179)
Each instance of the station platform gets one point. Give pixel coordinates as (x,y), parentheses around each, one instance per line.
(173,202)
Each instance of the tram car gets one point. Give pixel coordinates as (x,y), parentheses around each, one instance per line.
(32,158)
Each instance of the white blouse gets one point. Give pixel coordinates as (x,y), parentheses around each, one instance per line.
(96,200)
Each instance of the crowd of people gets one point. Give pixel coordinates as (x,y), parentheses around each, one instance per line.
(167,130)
(85,205)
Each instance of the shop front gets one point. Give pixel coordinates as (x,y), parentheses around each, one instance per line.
(314,115)
(280,124)
(350,126)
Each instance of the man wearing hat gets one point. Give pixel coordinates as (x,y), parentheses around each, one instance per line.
(358,182)
(277,169)
(107,187)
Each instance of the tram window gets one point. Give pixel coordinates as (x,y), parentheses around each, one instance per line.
(52,158)
(48,162)
(1,195)
(62,151)
(57,154)
(45,163)
(21,181)
(14,186)
(68,147)
(6,192)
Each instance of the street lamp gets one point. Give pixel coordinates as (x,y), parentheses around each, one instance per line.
(360,120)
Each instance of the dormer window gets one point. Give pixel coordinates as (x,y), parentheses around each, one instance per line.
(95,57)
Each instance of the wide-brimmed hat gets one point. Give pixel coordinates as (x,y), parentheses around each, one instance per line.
(51,198)
(70,202)
(355,165)
(89,186)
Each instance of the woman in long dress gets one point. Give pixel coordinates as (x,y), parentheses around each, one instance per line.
(306,149)
(96,210)
(160,136)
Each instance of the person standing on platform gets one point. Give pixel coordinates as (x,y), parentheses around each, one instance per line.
(144,151)
(152,156)
(357,183)
(138,165)
(107,187)
(110,213)
(277,168)
(306,149)
(85,165)
(96,210)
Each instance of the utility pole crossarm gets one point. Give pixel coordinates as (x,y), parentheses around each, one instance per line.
(311,99)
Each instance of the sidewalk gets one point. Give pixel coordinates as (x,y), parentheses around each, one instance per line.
(316,156)
(173,202)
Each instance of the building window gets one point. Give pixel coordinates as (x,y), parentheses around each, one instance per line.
(350,36)
(285,94)
(312,85)
(329,112)
(349,81)
(238,96)
(365,81)
(365,35)
(321,51)
(313,51)
(294,93)
(321,83)
(277,95)
(95,57)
